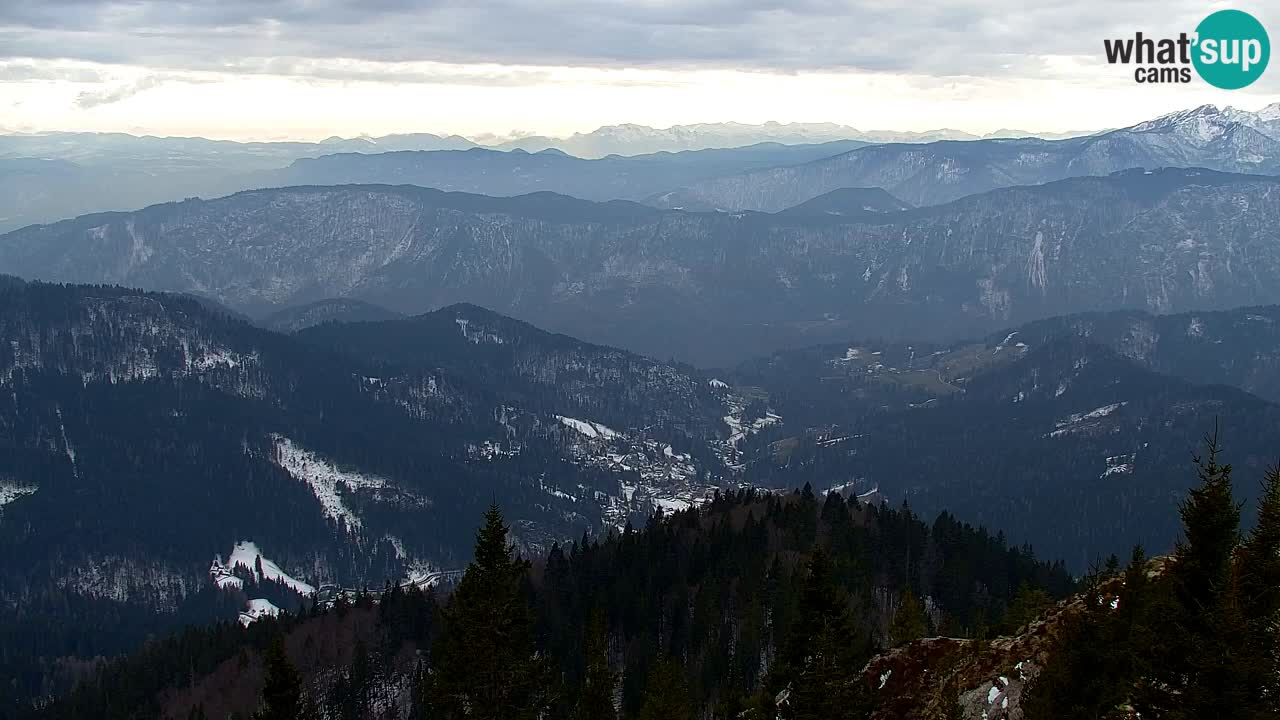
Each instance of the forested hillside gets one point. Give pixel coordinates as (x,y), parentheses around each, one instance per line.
(1012,430)
(164,462)
(709,610)
(763,606)
(1195,634)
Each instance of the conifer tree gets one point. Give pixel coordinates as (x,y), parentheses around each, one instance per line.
(822,655)
(487,667)
(1211,531)
(909,622)
(1026,607)
(819,599)
(281,687)
(666,695)
(1260,557)
(1079,682)
(595,699)
(1258,575)
(1196,666)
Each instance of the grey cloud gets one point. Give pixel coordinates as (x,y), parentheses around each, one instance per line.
(123,91)
(954,38)
(27,72)
(317,70)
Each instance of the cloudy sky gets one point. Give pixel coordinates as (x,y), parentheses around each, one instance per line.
(308,69)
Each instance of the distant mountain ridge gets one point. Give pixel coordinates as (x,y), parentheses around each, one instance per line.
(710,288)
(492,172)
(631,139)
(342,310)
(94,178)
(849,202)
(621,139)
(1228,140)
(46,177)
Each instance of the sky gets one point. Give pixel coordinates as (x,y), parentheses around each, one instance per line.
(310,69)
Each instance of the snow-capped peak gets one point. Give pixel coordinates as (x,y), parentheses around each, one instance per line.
(1269,113)
(1199,125)
(1177,118)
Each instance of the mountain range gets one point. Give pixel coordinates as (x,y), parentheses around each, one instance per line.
(925,174)
(491,172)
(1098,412)
(626,139)
(68,175)
(258,427)
(48,176)
(168,462)
(707,288)
(158,411)
(321,385)
(631,139)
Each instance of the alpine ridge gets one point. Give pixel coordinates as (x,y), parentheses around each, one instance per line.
(1228,140)
(707,288)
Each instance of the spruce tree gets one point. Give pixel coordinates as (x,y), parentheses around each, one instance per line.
(823,654)
(1259,563)
(909,622)
(1195,667)
(666,696)
(819,600)
(1258,573)
(281,686)
(1026,607)
(487,667)
(1211,531)
(595,699)
(1080,681)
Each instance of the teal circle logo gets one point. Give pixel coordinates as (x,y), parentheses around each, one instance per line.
(1232,49)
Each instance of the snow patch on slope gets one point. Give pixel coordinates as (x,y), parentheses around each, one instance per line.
(588,428)
(326,480)
(1118,465)
(1080,422)
(246,554)
(257,609)
(11,490)
(478,335)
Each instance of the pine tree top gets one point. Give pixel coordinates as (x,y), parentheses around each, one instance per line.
(492,551)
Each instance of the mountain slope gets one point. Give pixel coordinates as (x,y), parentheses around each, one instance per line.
(724,586)
(1226,140)
(126,411)
(1238,347)
(614,387)
(711,288)
(631,139)
(339,310)
(47,177)
(1007,433)
(491,172)
(849,201)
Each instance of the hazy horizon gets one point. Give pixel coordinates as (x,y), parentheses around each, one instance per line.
(288,70)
